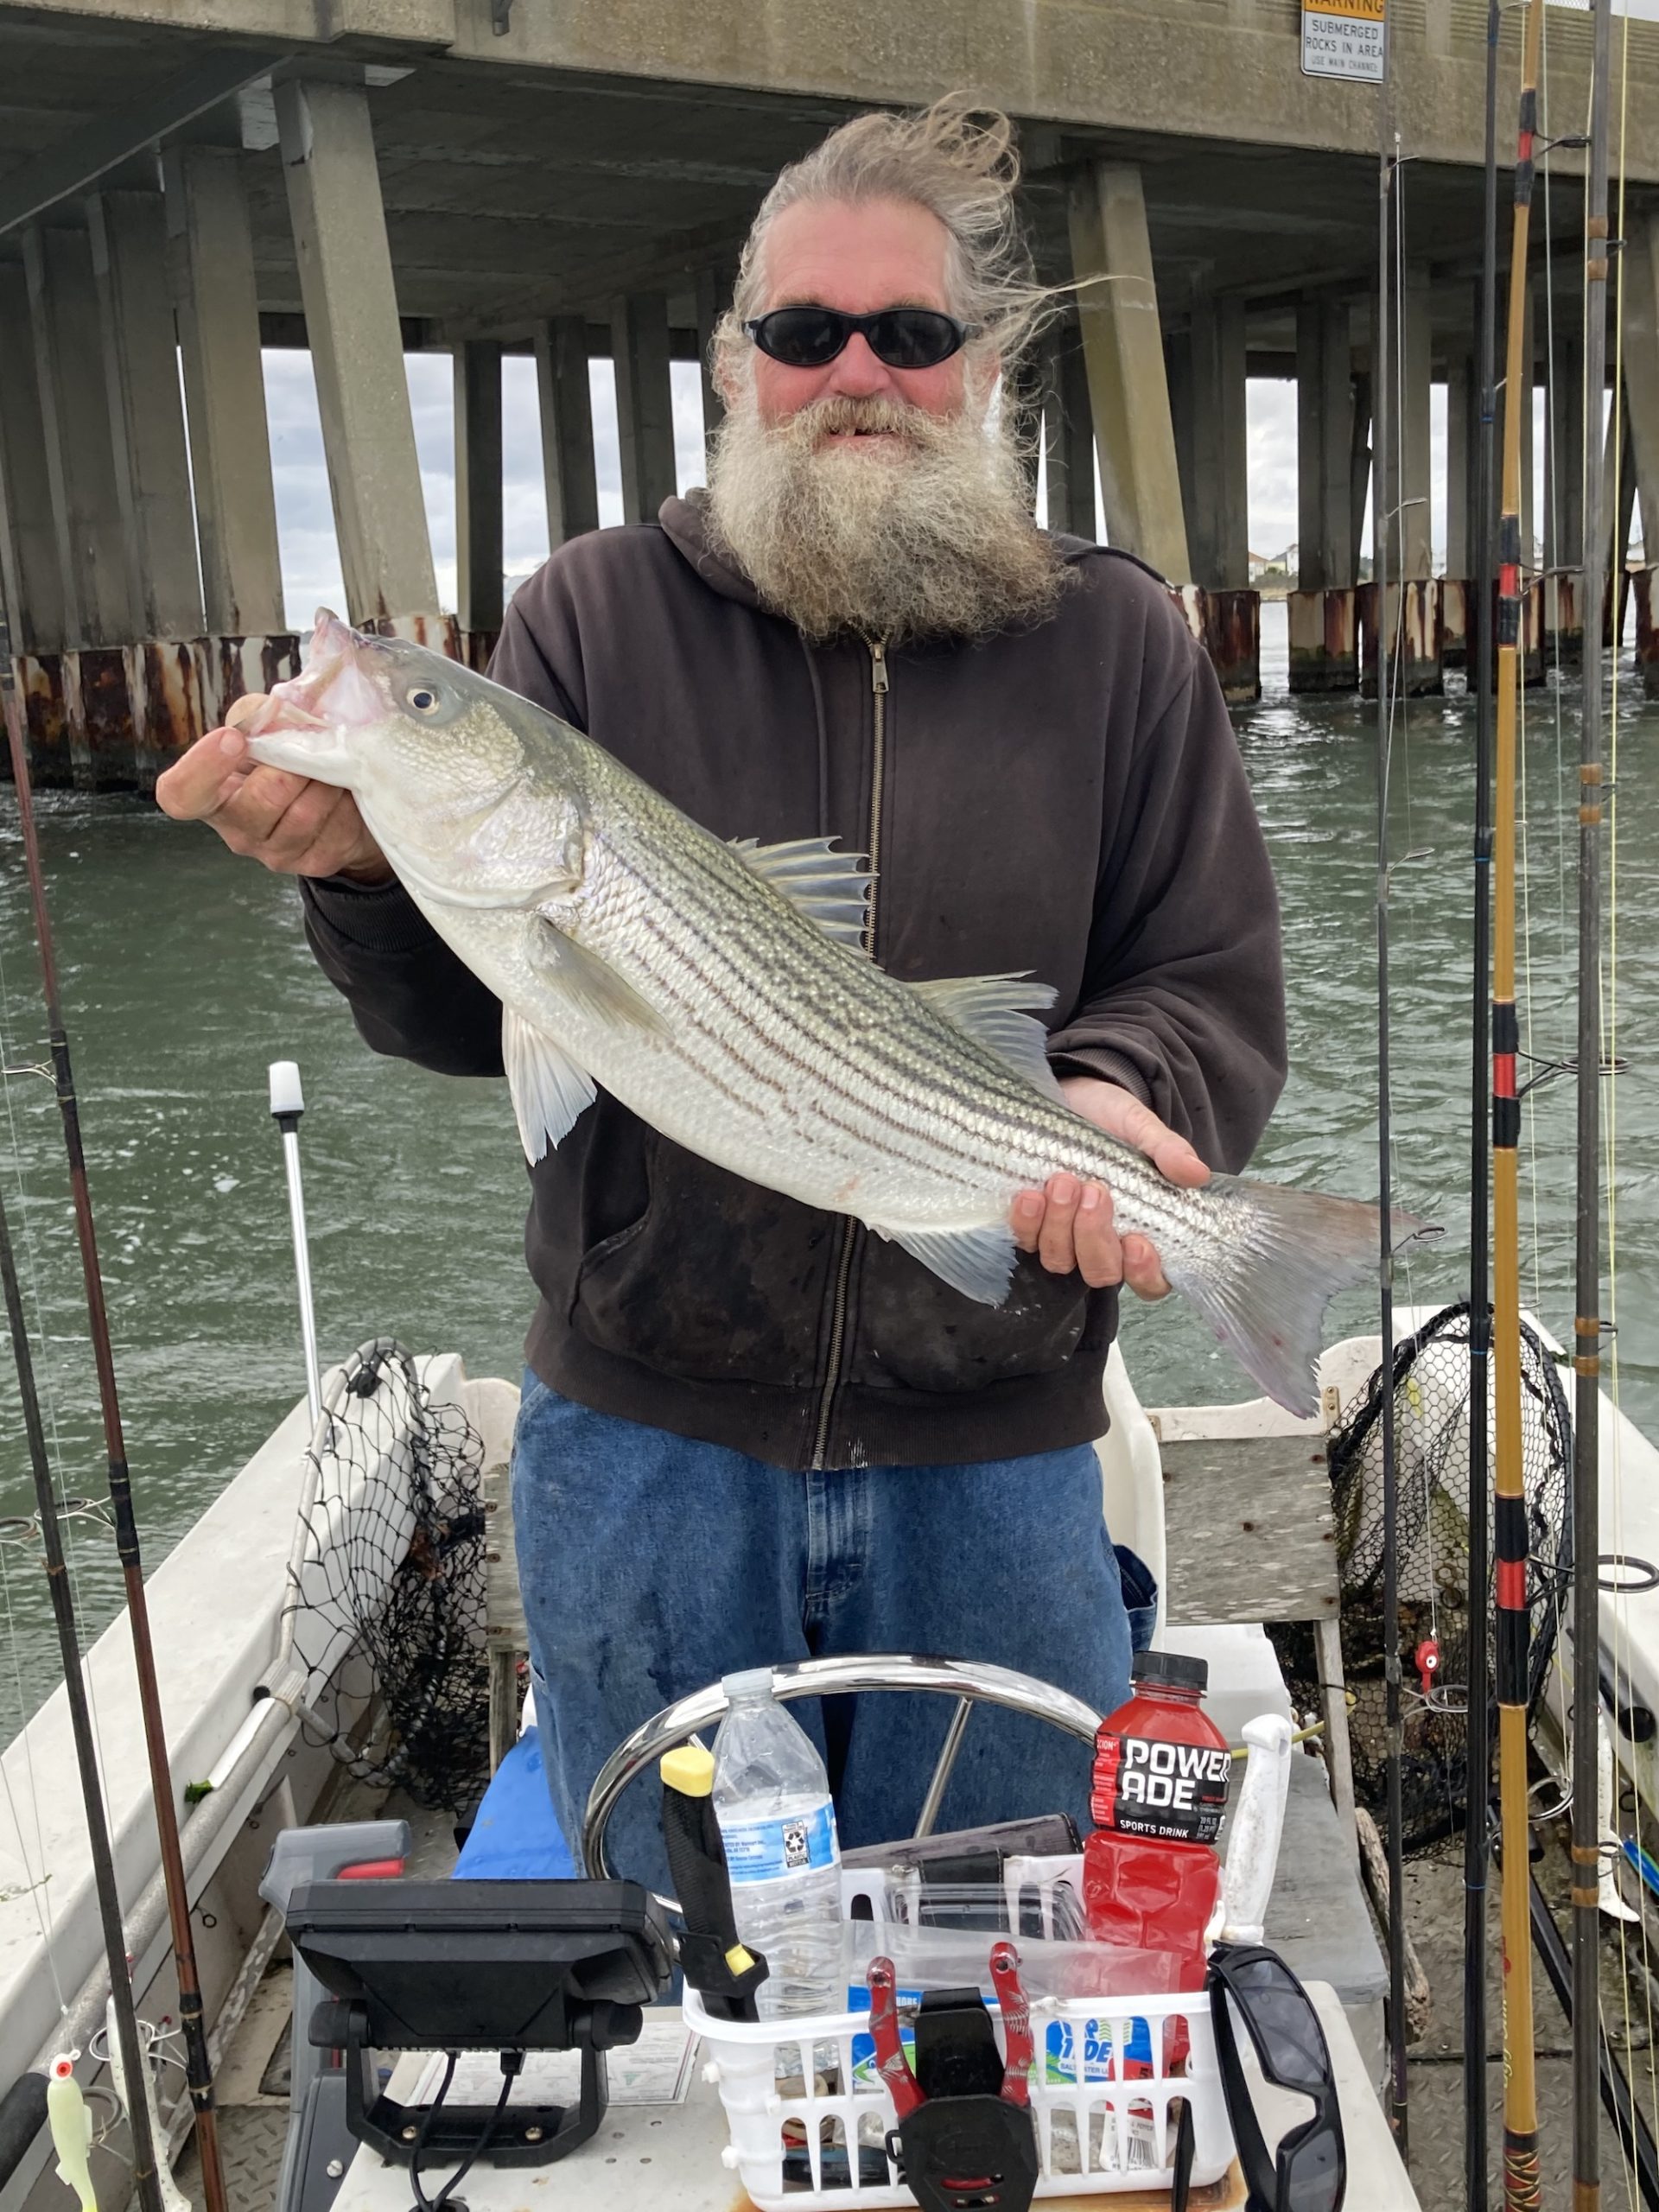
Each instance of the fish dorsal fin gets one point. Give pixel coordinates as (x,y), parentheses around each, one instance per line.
(995,1012)
(832,889)
(549,1090)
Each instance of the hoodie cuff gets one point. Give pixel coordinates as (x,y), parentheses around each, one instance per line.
(1109,1066)
(374,916)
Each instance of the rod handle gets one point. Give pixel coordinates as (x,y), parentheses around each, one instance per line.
(717,1963)
(1258,1822)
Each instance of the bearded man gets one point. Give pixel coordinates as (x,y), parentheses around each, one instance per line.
(750,1431)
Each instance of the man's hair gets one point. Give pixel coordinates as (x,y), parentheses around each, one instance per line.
(957,160)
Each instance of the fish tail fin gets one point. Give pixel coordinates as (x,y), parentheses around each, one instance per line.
(1284,1256)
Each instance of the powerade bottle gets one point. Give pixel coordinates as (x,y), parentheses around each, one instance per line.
(1150,1872)
(778,1822)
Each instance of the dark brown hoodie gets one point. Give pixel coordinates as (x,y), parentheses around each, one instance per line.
(1066,800)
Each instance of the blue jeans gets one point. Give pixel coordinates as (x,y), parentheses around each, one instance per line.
(652,1565)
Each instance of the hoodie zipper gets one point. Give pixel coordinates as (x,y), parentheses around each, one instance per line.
(844,1263)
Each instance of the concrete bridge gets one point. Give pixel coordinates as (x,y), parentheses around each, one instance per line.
(183,181)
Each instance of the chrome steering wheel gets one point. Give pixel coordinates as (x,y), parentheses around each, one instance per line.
(970,1683)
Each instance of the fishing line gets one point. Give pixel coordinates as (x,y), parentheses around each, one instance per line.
(39,1886)
(1552,510)
(25,1215)
(1608,977)
(120,1488)
(1383,525)
(1398,698)
(1398,702)
(145,2176)
(1523,879)
(1477,1850)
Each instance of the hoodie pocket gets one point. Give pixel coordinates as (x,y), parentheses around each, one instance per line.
(717,1281)
(917,1333)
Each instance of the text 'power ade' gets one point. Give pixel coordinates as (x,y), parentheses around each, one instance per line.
(1150,1872)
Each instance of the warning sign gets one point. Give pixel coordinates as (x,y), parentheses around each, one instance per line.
(1345,38)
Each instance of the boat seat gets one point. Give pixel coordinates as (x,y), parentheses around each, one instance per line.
(1250,1536)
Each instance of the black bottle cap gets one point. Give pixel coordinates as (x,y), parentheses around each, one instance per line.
(1178,1668)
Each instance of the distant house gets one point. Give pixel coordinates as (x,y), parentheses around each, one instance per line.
(1272,568)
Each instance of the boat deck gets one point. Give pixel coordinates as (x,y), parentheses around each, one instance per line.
(1317,1920)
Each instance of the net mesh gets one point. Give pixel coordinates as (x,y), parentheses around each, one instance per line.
(1431,1388)
(386,1593)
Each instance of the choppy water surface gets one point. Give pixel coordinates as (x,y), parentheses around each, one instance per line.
(185,972)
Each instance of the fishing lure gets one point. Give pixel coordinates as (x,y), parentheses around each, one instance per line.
(72,2129)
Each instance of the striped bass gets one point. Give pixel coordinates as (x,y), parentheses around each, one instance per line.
(722,992)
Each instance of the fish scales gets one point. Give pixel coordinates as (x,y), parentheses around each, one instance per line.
(716,993)
(881,1059)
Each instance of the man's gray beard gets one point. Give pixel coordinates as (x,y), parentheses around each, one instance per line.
(931,540)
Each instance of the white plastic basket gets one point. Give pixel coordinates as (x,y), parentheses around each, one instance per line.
(1098,2130)
(1101,2127)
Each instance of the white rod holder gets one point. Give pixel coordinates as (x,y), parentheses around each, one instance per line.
(286,1105)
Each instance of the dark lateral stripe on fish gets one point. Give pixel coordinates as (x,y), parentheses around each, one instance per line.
(919,1143)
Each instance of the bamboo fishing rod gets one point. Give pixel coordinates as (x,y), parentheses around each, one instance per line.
(1521,2177)
(1478,1789)
(146,2180)
(1586,1363)
(198,2071)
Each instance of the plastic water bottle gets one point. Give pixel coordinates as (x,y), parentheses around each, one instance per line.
(778,1822)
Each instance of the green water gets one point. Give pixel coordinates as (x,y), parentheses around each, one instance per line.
(185,972)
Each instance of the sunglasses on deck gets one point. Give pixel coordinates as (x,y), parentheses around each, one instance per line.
(1309,2171)
(903,338)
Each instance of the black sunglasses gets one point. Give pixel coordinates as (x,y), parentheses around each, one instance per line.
(1309,2171)
(905,338)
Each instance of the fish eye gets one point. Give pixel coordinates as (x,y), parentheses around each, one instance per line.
(423,699)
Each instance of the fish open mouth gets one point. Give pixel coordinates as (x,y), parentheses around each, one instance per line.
(336,689)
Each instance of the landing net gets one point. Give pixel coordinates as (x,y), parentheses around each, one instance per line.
(1431,1412)
(386,1609)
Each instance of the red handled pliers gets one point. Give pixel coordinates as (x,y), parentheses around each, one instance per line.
(894,2069)
(1017,2049)
(890,2061)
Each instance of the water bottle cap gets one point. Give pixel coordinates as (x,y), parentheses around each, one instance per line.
(1179,1669)
(752,1682)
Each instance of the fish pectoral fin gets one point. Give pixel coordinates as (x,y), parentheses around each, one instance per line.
(995,1011)
(979,1262)
(581,976)
(549,1090)
(832,889)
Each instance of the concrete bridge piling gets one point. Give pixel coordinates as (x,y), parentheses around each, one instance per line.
(370,178)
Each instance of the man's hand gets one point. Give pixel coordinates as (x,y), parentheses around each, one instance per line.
(290,822)
(1069,1223)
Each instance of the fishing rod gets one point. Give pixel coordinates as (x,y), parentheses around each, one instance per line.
(1521,2177)
(1383,525)
(198,2072)
(146,2180)
(1586,1361)
(1478,1789)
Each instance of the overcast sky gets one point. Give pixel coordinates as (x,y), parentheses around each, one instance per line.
(305,520)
